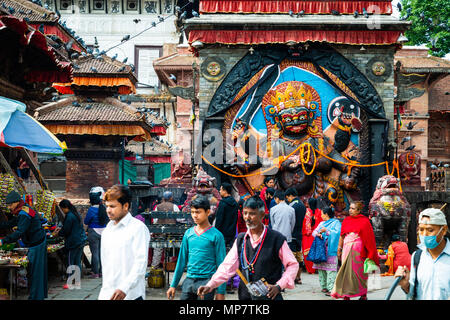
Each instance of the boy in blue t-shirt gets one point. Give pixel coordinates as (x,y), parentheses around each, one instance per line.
(202,251)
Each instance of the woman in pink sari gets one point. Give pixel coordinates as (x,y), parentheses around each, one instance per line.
(356,244)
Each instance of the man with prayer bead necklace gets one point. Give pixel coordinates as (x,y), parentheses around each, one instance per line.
(252,253)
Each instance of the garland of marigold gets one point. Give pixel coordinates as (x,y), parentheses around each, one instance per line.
(311,148)
(302,157)
(407,158)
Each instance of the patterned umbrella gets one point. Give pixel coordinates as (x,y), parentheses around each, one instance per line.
(19,130)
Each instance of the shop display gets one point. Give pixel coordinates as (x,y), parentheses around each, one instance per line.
(46,204)
(6,186)
(55,247)
(13,257)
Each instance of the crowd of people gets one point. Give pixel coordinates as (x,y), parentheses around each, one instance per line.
(267,240)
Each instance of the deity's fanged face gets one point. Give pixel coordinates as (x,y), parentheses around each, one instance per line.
(292,107)
(294,120)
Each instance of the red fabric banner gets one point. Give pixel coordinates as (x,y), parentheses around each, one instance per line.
(59,72)
(56,30)
(310,7)
(158,130)
(356,37)
(19,26)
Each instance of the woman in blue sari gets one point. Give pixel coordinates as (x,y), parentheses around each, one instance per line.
(329,229)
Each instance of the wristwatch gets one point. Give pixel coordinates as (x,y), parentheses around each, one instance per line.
(279,288)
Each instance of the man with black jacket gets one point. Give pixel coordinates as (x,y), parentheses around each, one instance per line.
(29,229)
(227,214)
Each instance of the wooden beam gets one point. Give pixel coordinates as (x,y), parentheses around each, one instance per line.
(39,178)
(33,168)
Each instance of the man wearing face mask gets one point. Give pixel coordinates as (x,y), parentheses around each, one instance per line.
(430,280)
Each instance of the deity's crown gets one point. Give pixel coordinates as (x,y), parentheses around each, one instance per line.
(291,98)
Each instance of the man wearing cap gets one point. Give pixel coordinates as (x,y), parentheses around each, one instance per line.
(433,269)
(166,206)
(29,229)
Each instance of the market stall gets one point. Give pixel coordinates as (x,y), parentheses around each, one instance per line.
(13,257)
(21,134)
(167,236)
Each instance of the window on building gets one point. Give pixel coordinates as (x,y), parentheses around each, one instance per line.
(65,5)
(99,5)
(132,5)
(144,57)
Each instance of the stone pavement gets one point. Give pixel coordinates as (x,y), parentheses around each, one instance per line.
(309,290)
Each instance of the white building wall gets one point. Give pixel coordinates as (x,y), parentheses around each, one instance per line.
(109,28)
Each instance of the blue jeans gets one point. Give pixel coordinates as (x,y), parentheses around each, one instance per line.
(94,245)
(74,256)
(190,287)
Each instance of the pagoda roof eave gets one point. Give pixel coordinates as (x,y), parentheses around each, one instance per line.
(425,70)
(277,21)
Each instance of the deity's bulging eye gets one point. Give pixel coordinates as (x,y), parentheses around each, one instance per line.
(352,106)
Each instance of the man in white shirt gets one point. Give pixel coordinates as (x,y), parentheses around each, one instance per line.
(431,280)
(282,216)
(124,249)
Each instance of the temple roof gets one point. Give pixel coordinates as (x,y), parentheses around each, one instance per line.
(273,21)
(173,63)
(176,61)
(105,72)
(104,66)
(154,147)
(423,64)
(26,9)
(78,110)
(285,6)
(35,15)
(44,63)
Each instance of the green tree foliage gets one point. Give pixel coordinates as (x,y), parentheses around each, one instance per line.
(430,24)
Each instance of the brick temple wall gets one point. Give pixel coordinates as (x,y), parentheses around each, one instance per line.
(82,175)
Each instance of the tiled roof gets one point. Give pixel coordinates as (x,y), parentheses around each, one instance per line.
(104,66)
(97,111)
(26,9)
(154,147)
(424,64)
(175,60)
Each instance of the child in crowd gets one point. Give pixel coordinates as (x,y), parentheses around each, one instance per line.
(202,251)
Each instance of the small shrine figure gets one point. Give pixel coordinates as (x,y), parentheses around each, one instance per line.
(205,185)
(389,211)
